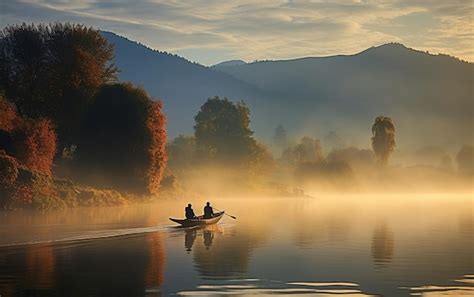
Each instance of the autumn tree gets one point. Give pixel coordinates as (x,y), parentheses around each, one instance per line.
(31,142)
(54,71)
(383,138)
(123,140)
(35,144)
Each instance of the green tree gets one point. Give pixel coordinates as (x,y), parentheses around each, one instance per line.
(181,152)
(123,140)
(383,138)
(222,131)
(280,138)
(309,150)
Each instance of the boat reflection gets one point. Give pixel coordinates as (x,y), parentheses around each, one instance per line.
(207,232)
(189,238)
(221,254)
(208,238)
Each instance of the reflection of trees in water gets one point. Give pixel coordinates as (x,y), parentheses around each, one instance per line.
(40,266)
(124,266)
(32,269)
(315,225)
(382,244)
(225,255)
(156,261)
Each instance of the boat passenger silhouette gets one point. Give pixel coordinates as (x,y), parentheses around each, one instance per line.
(189,212)
(208,212)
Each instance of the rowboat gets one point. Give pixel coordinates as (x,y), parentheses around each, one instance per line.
(199,221)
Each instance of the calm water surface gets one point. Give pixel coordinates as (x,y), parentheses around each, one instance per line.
(354,245)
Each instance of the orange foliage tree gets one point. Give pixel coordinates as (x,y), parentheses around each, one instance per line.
(35,144)
(123,140)
(7,115)
(31,142)
(156,124)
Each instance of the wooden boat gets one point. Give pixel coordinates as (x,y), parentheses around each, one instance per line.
(199,221)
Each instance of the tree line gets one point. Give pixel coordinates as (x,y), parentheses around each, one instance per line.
(63,110)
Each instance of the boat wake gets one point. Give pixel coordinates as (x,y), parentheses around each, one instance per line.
(86,236)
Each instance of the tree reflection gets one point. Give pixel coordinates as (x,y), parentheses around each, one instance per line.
(156,262)
(122,266)
(382,244)
(40,266)
(316,223)
(31,269)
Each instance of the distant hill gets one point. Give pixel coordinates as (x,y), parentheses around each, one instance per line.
(183,86)
(430,97)
(228,63)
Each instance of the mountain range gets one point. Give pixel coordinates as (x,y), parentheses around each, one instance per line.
(430,97)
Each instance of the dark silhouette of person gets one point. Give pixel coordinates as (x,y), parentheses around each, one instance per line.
(189,212)
(208,212)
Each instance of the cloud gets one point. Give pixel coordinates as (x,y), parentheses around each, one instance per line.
(265,29)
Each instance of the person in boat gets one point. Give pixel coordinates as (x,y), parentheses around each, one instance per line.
(189,212)
(208,212)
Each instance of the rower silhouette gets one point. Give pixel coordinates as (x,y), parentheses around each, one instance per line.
(208,212)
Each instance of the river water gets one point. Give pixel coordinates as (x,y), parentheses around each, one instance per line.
(327,245)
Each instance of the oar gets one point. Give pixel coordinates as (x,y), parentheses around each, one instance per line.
(226,214)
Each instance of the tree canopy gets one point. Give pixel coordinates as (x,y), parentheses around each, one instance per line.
(222,130)
(383,138)
(280,137)
(123,139)
(307,150)
(54,71)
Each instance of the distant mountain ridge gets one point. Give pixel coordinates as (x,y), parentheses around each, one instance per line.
(229,63)
(183,86)
(429,96)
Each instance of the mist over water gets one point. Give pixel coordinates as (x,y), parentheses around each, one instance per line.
(359,245)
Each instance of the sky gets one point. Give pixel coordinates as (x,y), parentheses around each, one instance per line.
(212,31)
